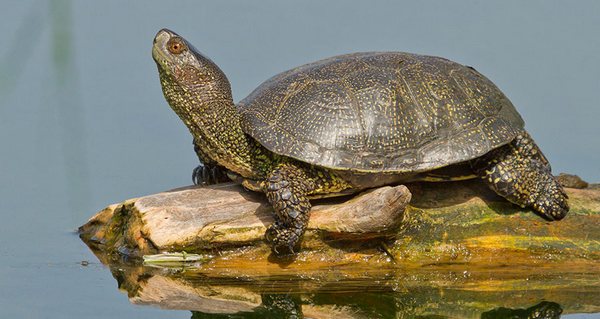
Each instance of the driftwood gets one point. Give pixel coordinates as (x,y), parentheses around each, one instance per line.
(445,223)
(225,215)
(457,250)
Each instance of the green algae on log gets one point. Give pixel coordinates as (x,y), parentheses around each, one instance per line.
(446,224)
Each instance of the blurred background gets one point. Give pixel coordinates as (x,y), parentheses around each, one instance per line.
(83,122)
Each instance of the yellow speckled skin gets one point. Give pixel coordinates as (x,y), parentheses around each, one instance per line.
(521,173)
(352,122)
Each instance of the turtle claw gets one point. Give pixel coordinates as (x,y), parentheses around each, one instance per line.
(282,240)
(208,175)
(288,250)
(213,174)
(197,177)
(554,204)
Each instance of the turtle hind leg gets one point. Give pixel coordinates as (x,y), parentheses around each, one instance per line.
(287,187)
(520,173)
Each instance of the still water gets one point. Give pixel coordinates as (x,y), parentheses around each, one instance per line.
(83,124)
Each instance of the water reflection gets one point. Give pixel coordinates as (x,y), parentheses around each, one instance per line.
(69,106)
(61,95)
(405,295)
(543,310)
(287,306)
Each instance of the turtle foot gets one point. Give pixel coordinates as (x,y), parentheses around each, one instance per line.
(286,190)
(208,175)
(552,202)
(520,173)
(283,241)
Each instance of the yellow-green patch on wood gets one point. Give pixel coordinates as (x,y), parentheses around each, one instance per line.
(446,224)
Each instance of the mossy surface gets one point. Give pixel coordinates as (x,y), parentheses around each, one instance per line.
(446,224)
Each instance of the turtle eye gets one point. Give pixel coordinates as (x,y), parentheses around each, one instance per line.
(176,46)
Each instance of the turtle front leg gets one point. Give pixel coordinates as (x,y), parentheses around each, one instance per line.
(520,173)
(208,172)
(209,175)
(287,187)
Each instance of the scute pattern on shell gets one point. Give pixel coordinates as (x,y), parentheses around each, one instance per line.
(380,111)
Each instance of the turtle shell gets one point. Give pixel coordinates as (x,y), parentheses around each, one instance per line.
(380,111)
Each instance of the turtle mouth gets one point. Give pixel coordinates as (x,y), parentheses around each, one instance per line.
(161,60)
(159,56)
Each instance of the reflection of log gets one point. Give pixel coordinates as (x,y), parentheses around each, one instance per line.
(214,298)
(364,293)
(450,224)
(170,293)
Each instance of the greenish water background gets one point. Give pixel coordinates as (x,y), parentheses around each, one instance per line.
(83,122)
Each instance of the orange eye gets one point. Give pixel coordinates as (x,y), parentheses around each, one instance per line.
(176,46)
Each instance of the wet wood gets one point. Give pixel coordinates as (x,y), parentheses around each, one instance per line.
(446,225)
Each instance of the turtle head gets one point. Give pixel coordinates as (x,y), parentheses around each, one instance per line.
(184,69)
(199,92)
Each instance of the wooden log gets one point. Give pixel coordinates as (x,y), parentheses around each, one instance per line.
(220,216)
(452,224)
(457,251)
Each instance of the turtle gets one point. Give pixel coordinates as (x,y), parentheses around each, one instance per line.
(349,123)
